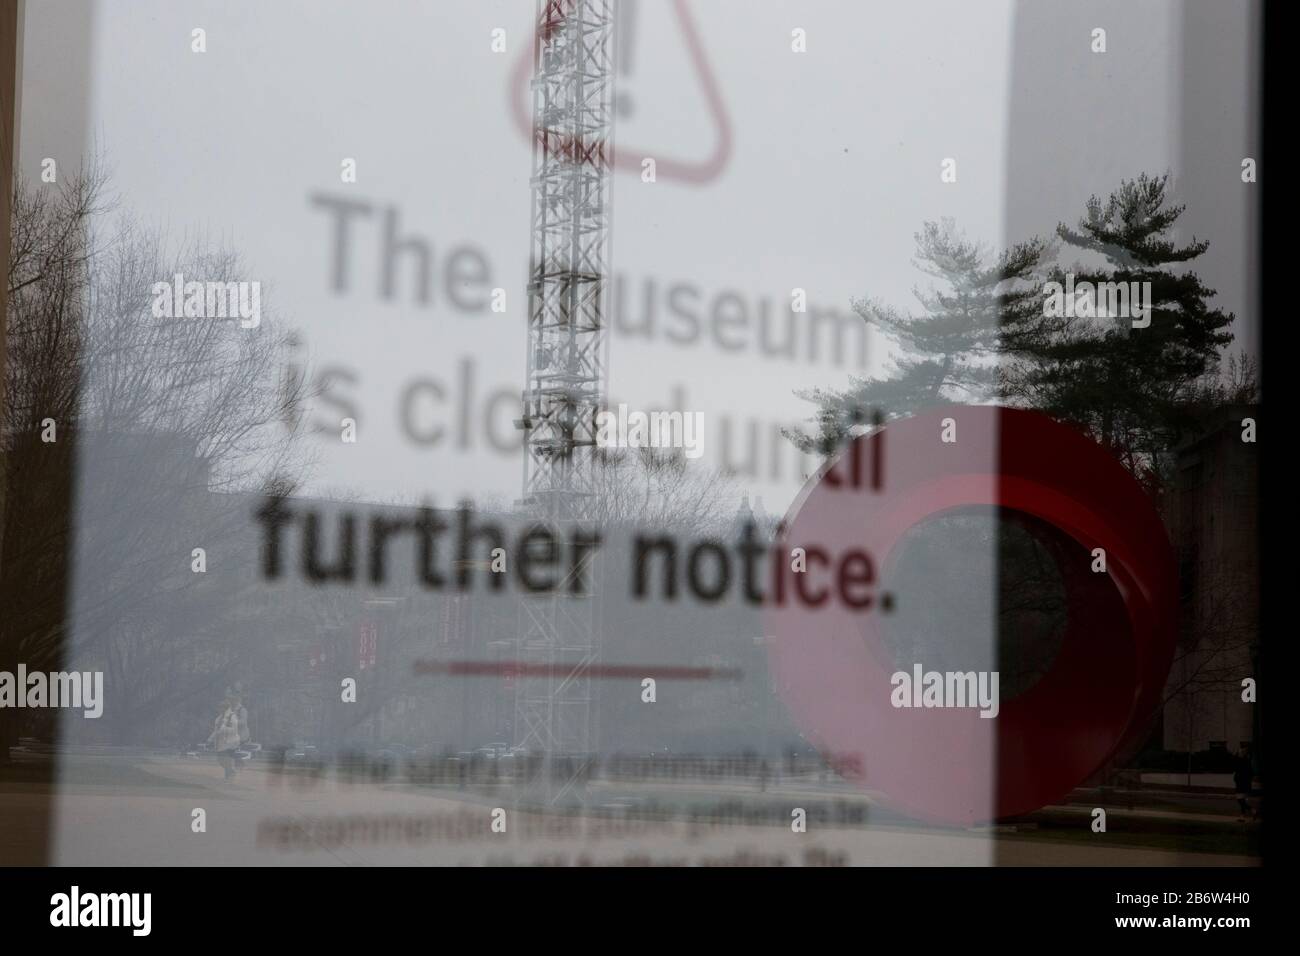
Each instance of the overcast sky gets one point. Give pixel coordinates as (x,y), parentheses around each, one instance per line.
(834,163)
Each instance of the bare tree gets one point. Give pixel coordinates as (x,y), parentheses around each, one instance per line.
(47,284)
(660,489)
(135,430)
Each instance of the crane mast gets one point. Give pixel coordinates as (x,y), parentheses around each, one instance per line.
(572,94)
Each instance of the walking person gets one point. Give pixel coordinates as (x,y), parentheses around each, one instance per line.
(224,738)
(241,716)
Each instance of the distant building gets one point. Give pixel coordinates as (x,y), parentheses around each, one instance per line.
(1213,517)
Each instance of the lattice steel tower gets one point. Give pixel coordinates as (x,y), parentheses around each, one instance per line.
(572,89)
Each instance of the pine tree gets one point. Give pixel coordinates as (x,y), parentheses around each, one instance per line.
(1131,388)
(947,352)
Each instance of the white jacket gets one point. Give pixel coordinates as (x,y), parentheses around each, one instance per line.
(225,732)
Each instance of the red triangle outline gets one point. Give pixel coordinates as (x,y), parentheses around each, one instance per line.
(697,173)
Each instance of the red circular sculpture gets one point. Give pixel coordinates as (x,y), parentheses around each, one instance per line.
(951,765)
